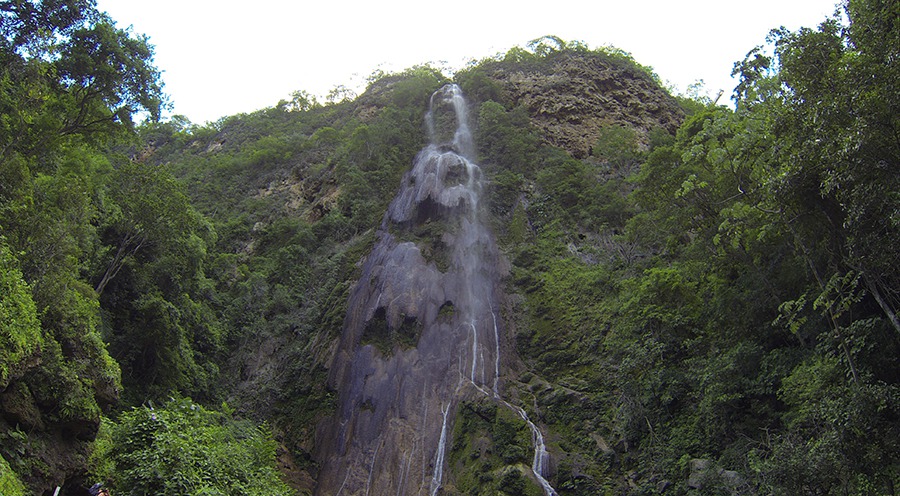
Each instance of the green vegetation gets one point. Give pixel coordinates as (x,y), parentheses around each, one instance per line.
(9,483)
(70,83)
(20,334)
(491,452)
(713,310)
(379,333)
(184,448)
(102,256)
(734,301)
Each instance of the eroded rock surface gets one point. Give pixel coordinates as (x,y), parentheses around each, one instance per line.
(571,97)
(421,332)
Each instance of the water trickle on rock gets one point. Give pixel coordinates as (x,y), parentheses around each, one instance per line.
(421,333)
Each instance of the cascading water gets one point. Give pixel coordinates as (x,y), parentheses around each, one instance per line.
(438,476)
(432,280)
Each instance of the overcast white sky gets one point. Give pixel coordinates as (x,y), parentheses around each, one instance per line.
(222,57)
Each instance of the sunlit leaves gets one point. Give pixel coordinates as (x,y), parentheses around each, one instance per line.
(182,447)
(20,333)
(10,484)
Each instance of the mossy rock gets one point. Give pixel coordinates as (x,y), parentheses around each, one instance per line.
(18,406)
(380,334)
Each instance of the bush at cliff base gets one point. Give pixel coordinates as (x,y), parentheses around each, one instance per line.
(184,448)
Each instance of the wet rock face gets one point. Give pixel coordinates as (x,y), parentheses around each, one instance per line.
(442,186)
(421,331)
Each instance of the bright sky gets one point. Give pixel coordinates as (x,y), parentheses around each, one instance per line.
(222,57)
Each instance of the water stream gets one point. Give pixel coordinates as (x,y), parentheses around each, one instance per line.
(438,476)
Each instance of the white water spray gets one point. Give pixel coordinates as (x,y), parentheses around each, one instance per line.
(464,146)
(496,352)
(474,349)
(540,452)
(463,143)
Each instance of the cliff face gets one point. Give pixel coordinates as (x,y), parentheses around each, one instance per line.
(421,332)
(570,97)
(424,333)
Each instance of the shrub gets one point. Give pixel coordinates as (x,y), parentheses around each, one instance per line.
(10,485)
(184,448)
(20,333)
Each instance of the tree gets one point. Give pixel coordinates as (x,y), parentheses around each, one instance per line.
(768,302)
(830,97)
(67,70)
(149,277)
(70,81)
(827,98)
(144,208)
(301,101)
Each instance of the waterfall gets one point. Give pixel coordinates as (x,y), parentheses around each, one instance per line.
(540,451)
(496,353)
(474,349)
(438,477)
(445,288)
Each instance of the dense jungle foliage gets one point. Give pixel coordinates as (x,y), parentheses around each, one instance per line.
(709,312)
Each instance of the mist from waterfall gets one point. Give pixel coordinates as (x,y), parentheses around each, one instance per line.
(397,403)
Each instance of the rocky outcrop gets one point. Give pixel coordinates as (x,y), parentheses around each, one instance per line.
(571,96)
(705,475)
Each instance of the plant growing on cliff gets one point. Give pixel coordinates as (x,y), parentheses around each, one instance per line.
(20,334)
(10,485)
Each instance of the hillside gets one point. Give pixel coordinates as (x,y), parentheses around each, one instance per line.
(327,175)
(572,95)
(685,298)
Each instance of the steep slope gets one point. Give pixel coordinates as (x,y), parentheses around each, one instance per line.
(420,319)
(549,287)
(306,188)
(570,96)
(566,96)
(662,322)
